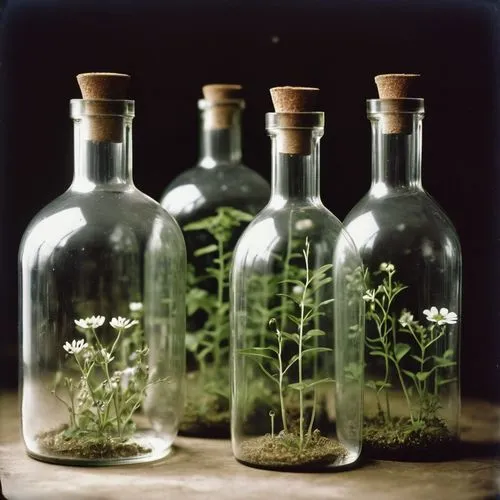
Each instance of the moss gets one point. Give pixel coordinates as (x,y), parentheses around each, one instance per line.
(398,439)
(57,442)
(283,451)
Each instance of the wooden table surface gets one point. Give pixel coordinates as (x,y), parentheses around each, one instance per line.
(206,469)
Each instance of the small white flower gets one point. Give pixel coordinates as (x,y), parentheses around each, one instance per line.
(122,323)
(406,318)
(441,317)
(386,266)
(75,347)
(92,322)
(303,224)
(297,290)
(135,306)
(369,296)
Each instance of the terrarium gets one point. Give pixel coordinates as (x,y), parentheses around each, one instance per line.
(213,202)
(412,273)
(297,314)
(102,273)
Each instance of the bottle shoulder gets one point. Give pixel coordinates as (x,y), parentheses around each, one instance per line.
(403,214)
(98,214)
(199,191)
(272,227)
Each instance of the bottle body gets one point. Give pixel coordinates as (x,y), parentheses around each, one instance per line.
(412,264)
(212,202)
(102,331)
(296,326)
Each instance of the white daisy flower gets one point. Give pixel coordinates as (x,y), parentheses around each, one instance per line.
(122,323)
(406,318)
(369,296)
(441,317)
(135,306)
(92,322)
(75,347)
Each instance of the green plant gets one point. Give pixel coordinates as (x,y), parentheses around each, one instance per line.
(400,340)
(102,402)
(209,344)
(274,361)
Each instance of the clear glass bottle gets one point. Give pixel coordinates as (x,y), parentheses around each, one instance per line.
(102,274)
(412,264)
(213,202)
(297,318)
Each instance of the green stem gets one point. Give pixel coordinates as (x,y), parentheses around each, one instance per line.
(280,362)
(286,271)
(220,299)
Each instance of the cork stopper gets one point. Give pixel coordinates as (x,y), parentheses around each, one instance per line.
(291,101)
(104,125)
(221,99)
(397,86)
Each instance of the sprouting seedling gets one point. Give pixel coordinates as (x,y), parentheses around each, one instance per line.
(389,345)
(272,414)
(270,358)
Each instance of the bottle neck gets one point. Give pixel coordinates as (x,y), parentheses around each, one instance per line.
(220,134)
(101,163)
(396,151)
(295,176)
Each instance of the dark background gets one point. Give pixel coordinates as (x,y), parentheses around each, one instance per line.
(171,48)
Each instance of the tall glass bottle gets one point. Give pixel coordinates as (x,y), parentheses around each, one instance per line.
(213,202)
(297,313)
(102,274)
(412,263)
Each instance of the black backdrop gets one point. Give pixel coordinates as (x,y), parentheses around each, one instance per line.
(172,48)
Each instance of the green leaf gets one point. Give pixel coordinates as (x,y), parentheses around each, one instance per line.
(329,301)
(446,381)
(448,354)
(416,358)
(422,375)
(258,350)
(251,353)
(205,250)
(315,350)
(378,353)
(400,350)
(291,336)
(313,333)
(410,374)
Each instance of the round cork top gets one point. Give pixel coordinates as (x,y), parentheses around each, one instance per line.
(293,105)
(103,85)
(397,85)
(103,91)
(289,99)
(215,92)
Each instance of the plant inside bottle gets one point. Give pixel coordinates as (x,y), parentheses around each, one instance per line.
(289,356)
(414,362)
(207,296)
(213,202)
(101,400)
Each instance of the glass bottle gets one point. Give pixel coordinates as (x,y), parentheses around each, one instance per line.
(412,265)
(297,315)
(212,201)
(102,272)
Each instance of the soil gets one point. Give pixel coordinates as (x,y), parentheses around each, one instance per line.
(206,413)
(56,442)
(281,452)
(396,440)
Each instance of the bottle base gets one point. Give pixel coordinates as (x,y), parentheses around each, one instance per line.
(280,453)
(142,447)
